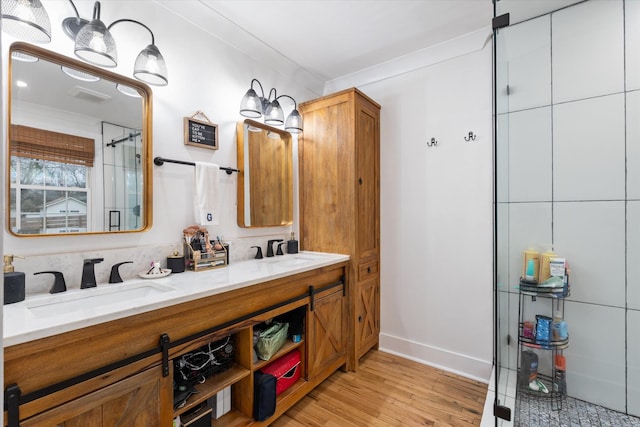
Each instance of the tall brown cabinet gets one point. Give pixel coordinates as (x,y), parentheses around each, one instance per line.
(339,167)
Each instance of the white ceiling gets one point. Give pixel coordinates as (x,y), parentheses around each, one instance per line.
(332,38)
(329,39)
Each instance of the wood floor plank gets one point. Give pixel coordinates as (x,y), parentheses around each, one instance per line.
(388,390)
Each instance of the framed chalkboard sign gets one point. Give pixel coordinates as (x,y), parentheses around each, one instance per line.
(200,133)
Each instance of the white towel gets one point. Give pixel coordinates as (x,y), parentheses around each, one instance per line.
(205,202)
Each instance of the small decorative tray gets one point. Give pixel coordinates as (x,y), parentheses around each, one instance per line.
(165,272)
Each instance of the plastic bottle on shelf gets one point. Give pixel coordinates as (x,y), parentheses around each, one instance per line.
(560,379)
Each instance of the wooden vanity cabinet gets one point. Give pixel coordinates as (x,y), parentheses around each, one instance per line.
(339,167)
(326,338)
(138,394)
(367,316)
(142,400)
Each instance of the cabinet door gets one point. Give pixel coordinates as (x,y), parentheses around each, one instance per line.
(326,171)
(141,400)
(367,315)
(326,334)
(367,147)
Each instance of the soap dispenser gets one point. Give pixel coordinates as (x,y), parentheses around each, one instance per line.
(14,289)
(292,244)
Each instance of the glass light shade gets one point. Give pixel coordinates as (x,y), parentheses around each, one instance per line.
(24,57)
(26,20)
(251,105)
(128,90)
(150,67)
(274,114)
(294,122)
(95,44)
(79,75)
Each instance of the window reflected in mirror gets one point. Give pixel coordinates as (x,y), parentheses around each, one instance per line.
(79,147)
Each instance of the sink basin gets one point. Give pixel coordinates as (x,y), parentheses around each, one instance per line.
(90,299)
(292,260)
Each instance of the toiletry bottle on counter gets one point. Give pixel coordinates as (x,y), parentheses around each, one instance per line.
(292,245)
(176,263)
(14,289)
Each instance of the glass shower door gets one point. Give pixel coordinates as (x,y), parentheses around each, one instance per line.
(522,98)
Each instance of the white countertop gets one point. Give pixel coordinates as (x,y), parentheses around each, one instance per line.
(41,316)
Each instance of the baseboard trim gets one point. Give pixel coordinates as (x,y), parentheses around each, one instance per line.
(459,364)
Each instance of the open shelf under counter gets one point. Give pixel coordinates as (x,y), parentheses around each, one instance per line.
(286,348)
(232,419)
(290,391)
(236,419)
(213,385)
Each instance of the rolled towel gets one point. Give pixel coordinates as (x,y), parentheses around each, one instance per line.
(205,202)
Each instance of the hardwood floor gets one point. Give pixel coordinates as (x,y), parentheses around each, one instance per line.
(388,390)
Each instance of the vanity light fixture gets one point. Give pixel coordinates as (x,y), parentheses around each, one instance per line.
(24,57)
(26,20)
(95,44)
(128,90)
(79,75)
(254,106)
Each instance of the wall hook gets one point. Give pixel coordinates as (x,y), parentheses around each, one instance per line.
(471,137)
(432,143)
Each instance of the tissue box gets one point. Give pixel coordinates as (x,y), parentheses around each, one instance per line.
(286,369)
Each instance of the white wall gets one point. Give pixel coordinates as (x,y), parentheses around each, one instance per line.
(436,204)
(205,74)
(2,219)
(436,214)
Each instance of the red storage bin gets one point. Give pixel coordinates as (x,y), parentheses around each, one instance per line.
(286,369)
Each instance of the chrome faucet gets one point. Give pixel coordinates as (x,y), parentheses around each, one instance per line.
(88,273)
(270,246)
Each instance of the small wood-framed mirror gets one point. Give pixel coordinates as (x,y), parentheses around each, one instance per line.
(265,177)
(79,147)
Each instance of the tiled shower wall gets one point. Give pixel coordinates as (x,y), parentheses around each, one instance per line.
(568,178)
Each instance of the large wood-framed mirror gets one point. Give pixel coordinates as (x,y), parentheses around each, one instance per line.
(78,147)
(265,177)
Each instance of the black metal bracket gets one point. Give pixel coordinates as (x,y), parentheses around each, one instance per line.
(126,138)
(502,412)
(164,347)
(312,295)
(12,401)
(500,21)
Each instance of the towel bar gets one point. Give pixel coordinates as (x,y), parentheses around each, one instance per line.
(159,161)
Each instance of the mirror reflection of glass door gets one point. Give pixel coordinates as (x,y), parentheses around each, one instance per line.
(122,153)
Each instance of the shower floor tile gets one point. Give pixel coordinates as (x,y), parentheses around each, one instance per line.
(533,412)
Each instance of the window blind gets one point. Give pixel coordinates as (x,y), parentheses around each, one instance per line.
(46,145)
